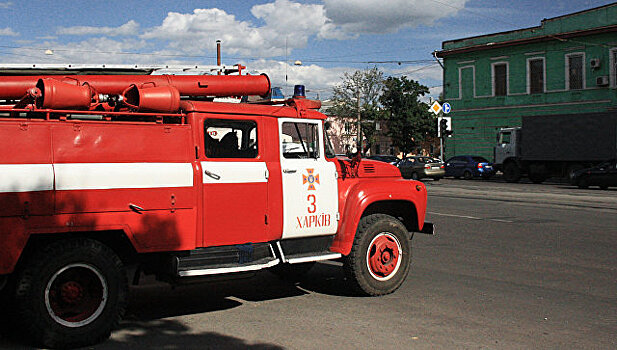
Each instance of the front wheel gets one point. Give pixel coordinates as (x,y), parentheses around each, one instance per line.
(380,257)
(72,293)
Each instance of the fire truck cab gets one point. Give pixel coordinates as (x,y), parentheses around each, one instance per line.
(101,174)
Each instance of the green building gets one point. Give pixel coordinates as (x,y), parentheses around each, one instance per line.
(567,65)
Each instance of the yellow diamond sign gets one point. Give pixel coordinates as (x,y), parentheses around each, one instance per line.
(435,108)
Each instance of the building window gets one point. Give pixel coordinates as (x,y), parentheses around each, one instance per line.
(500,79)
(613,68)
(575,78)
(536,75)
(347,127)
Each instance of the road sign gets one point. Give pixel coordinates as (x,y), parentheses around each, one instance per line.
(446,107)
(435,108)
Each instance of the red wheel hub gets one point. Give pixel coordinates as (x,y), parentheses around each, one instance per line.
(71,292)
(75,295)
(383,256)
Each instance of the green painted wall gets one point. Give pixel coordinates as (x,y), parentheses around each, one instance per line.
(477,114)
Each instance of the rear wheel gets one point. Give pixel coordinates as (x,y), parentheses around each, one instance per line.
(71,294)
(380,257)
(537,178)
(467,175)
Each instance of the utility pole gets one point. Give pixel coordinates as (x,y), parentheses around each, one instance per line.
(359,143)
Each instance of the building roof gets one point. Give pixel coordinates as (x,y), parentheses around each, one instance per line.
(601,19)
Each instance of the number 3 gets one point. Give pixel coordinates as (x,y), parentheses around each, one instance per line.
(312,207)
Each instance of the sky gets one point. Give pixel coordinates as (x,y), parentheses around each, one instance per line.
(328,37)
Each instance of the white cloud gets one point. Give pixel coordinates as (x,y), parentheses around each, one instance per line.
(6,5)
(287,23)
(370,16)
(127,29)
(314,77)
(91,51)
(8,32)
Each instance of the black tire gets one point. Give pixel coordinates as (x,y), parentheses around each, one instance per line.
(467,175)
(71,293)
(583,183)
(511,172)
(291,272)
(414,176)
(366,270)
(537,178)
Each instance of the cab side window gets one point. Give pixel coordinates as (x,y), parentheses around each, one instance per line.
(227,138)
(300,140)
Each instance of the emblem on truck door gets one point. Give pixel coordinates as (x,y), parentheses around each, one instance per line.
(311,179)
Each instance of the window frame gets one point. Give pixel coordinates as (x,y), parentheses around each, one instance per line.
(612,59)
(240,156)
(537,58)
(318,139)
(567,67)
(493,76)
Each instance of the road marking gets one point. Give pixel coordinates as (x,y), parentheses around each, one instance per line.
(502,220)
(469,217)
(457,216)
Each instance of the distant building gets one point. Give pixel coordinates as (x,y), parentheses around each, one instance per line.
(344,134)
(568,64)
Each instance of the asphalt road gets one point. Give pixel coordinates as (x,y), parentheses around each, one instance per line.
(513,266)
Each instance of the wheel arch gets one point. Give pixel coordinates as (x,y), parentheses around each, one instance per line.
(406,203)
(116,240)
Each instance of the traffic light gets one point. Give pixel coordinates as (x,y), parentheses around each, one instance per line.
(445,126)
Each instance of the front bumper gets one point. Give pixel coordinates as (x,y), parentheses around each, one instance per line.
(428,228)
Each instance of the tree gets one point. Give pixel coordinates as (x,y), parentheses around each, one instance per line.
(368,85)
(407,119)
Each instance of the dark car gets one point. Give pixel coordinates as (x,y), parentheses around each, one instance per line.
(385,158)
(603,175)
(419,167)
(469,167)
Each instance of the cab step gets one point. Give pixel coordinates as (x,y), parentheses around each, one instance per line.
(301,250)
(225,259)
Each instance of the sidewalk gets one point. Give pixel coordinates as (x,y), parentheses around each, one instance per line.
(584,199)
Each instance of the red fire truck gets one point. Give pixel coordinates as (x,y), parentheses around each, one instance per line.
(102,174)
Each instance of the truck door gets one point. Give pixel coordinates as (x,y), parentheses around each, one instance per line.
(235,183)
(505,146)
(310,192)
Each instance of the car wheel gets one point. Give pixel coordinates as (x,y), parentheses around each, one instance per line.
(582,183)
(380,256)
(467,175)
(71,294)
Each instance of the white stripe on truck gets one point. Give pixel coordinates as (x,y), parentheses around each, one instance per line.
(93,176)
